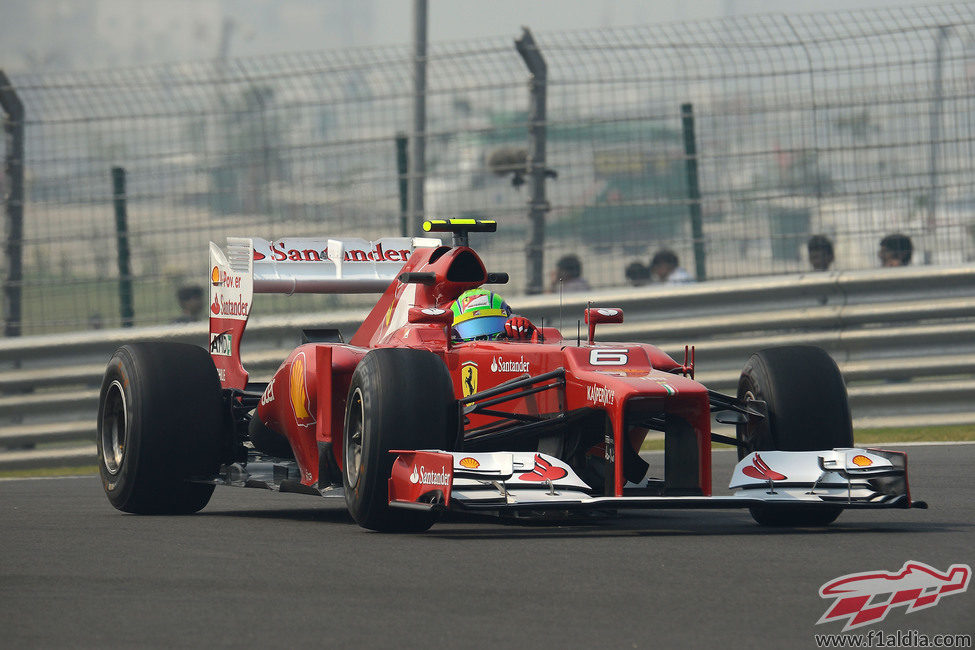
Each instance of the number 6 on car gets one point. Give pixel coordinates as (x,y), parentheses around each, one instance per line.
(608,357)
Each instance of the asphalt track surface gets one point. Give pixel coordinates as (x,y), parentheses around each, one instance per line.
(257,568)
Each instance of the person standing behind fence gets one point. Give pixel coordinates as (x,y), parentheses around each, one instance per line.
(637,274)
(665,267)
(567,275)
(190,299)
(820,252)
(895,250)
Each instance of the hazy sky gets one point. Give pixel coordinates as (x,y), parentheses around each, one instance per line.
(459,19)
(41,35)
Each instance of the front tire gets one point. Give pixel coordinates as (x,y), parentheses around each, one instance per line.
(160,425)
(398,399)
(808,410)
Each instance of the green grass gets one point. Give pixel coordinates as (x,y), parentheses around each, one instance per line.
(50,471)
(53,304)
(923,434)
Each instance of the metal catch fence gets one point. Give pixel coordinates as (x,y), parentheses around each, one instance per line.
(729,142)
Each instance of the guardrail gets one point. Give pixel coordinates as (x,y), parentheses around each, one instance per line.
(904,339)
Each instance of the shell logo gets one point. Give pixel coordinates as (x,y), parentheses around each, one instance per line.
(469,463)
(861,461)
(299,392)
(215,276)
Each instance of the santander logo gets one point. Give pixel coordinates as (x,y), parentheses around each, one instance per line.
(423,477)
(498,364)
(282,251)
(239,307)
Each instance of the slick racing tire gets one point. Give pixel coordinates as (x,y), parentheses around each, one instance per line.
(398,399)
(808,410)
(161,424)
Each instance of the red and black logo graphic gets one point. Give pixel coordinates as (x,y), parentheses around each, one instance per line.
(865,598)
(544,471)
(760,470)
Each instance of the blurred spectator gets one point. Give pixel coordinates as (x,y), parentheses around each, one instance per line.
(637,274)
(568,275)
(665,267)
(190,298)
(820,252)
(96,321)
(895,250)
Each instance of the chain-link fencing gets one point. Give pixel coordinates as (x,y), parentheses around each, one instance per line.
(852,126)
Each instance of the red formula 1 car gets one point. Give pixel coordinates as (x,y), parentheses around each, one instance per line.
(405,422)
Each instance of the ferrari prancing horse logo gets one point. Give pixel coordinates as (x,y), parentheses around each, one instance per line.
(468,377)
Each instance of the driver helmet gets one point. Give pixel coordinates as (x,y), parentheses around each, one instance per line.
(479,315)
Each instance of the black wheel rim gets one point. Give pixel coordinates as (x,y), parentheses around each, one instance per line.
(353,441)
(744,437)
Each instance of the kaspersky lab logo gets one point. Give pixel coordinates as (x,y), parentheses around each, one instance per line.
(866,598)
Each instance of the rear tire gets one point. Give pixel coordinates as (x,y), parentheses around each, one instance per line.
(161,423)
(808,410)
(399,398)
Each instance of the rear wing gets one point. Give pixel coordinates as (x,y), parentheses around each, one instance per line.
(289,266)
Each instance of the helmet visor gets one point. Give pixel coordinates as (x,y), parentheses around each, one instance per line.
(484,327)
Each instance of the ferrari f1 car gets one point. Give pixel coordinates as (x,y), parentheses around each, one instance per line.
(404,422)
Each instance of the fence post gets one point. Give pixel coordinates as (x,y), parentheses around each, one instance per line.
(126,311)
(402,171)
(535,163)
(693,190)
(418,165)
(13,126)
(935,118)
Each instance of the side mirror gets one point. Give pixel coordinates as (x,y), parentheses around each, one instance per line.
(597,315)
(434,315)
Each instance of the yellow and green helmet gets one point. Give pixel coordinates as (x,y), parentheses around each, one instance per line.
(479,314)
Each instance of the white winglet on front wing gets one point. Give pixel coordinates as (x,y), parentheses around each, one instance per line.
(496,481)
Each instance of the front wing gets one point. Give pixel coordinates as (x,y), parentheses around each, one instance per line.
(511,481)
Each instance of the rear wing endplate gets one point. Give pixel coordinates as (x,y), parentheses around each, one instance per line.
(289,266)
